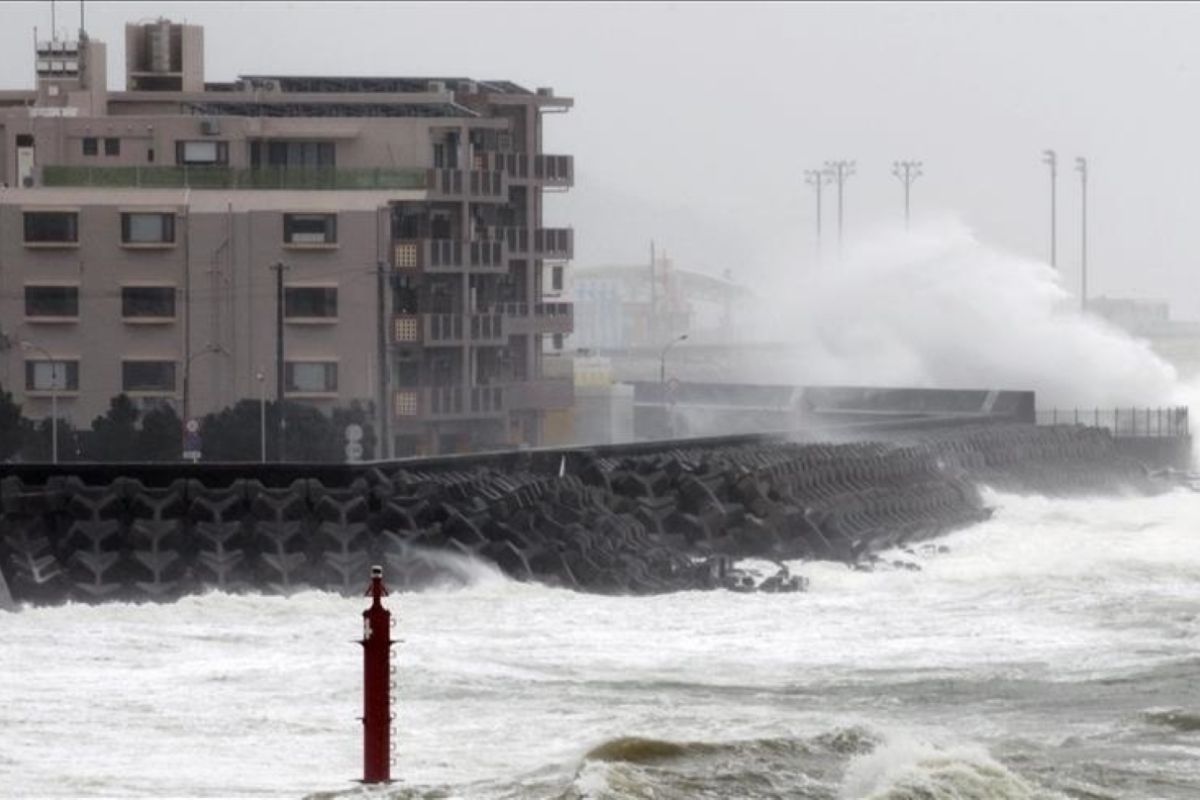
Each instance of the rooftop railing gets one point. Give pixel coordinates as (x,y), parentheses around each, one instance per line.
(1123,422)
(234,178)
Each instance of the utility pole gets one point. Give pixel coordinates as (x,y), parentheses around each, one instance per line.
(278,268)
(385,409)
(841,172)
(652,319)
(1049,157)
(907,172)
(1081,164)
(817,178)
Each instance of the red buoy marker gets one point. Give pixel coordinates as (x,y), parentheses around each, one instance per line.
(377,701)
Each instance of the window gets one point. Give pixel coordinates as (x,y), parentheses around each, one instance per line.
(206,152)
(52,301)
(148,376)
(556,279)
(291,154)
(310,228)
(147,302)
(310,302)
(311,377)
(90,146)
(112,147)
(51,227)
(148,228)
(42,376)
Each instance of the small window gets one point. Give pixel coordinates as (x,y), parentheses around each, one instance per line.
(148,228)
(90,146)
(52,301)
(310,228)
(148,376)
(112,147)
(51,227)
(148,302)
(311,377)
(556,279)
(205,152)
(43,376)
(558,341)
(150,154)
(310,302)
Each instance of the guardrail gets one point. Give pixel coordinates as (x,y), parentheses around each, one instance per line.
(1152,423)
(234,178)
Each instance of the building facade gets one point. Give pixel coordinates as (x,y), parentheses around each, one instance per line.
(149,238)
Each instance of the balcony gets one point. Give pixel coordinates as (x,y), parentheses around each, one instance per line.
(547,394)
(473,185)
(548,243)
(547,170)
(450,402)
(450,330)
(233,178)
(450,255)
(523,319)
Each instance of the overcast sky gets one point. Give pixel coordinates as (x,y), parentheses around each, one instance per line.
(694,122)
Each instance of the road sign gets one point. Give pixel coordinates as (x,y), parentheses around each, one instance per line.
(354,433)
(354,451)
(192,426)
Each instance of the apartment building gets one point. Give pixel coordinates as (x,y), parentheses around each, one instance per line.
(144,232)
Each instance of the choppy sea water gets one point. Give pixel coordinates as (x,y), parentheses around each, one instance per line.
(1051,652)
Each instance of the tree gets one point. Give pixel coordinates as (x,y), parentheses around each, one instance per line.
(14,429)
(233,434)
(161,435)
(114,435)
(38,442)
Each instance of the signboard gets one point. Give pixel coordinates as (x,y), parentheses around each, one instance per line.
(354,448)
(191,440)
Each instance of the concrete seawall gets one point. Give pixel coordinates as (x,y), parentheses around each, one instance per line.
(631,519)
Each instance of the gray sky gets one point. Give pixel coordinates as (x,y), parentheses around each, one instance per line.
(694,122)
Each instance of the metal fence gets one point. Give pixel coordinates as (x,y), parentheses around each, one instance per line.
(1169,422)
(234,178)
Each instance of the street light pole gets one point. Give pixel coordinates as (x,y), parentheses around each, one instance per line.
(818,179)
(1081,164)
(662,377)
(1050,158)
(262,416)
(841,172)
(53,398)
(907,172)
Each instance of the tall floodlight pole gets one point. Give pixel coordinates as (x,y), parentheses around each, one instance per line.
(817,178)
(907,172)
(1049,157)
(1082,165)
(841,172)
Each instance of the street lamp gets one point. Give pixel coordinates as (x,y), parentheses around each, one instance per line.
(26,345)
(262,415)
(662,376)
(907,172)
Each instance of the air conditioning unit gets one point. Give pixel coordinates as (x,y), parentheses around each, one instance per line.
(210,126)
(545,91)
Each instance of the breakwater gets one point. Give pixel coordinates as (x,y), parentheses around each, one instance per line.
(656,517)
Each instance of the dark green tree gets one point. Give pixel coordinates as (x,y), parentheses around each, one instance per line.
(38,442)
(14,429)
(114,436)
(160,437)
(233,434)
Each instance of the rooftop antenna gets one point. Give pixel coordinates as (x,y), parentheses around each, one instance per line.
(82,29)
(53,26)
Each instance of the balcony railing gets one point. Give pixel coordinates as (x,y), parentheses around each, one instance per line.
(450,329)
(234,178)
(1148,423)
(450,255)
(553,243)
(450,402)
(549,170)
(457,184)
(525,318)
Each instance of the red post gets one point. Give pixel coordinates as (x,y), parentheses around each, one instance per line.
(377,701)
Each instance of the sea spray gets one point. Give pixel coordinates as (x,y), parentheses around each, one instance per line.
(937,308)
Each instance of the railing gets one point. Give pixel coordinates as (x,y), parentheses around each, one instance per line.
(551,170)
(447,255)
(463,401)
(472,184)
(526,318)
(234,178)
(542,395)
(554,242)
(1123,422)
(462,328)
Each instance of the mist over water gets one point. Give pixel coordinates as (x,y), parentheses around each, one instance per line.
(937,308)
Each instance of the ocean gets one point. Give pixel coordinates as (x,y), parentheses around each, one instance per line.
(1051,652)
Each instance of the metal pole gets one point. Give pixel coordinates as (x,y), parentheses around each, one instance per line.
(907,172)
(1049,157)
(262,417)
(53,412)
(385,409)
(278,267)
(1082,165)
(841,171)
(377,699)
(818,179)
(662,379)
